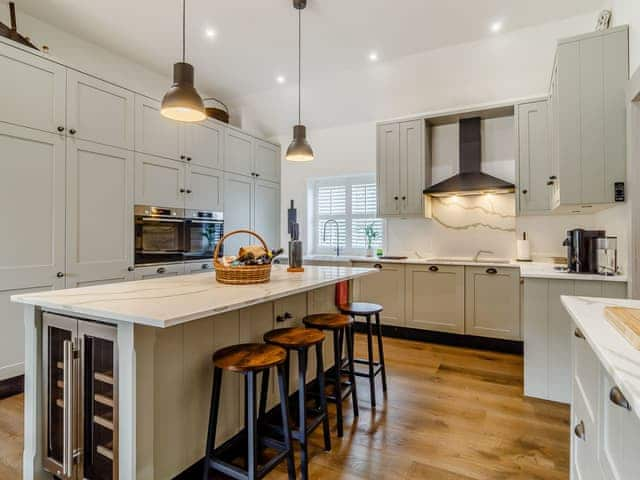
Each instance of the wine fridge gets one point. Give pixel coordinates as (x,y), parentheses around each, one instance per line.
(80,398)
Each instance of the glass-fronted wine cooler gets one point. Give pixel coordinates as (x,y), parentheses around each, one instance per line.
(80,399)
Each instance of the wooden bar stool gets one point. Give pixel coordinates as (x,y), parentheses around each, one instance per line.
(301,340)
(249,359)
(366,310)
(342,328)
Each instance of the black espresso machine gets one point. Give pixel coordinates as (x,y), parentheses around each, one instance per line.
(582,255)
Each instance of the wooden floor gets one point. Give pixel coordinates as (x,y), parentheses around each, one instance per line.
(450,414)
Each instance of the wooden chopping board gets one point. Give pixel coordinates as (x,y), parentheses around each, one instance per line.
(627,322)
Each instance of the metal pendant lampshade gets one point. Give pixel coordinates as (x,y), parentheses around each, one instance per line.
(299,150)
(182,102)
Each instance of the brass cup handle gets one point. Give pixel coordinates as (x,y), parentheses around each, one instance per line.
(61,129)
(433,268)
(525,191)
(578,430)
(161,270)
(492,271)
(378,266)
(578,333)
(618,398)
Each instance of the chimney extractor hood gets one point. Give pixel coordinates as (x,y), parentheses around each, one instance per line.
(470,180)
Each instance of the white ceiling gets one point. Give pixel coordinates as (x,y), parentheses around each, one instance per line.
(256,39)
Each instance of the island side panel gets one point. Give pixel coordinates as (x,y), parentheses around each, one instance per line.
(322,300)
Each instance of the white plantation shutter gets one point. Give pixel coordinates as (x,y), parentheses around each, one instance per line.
(351,202)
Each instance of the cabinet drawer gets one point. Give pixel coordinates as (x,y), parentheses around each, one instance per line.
(586,368)
(157,271)
(198,267)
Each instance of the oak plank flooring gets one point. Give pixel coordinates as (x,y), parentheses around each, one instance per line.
(450,414)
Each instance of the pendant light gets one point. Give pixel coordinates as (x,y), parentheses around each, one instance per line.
(299,150)
(182,102)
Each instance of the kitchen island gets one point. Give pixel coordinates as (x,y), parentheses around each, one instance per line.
(124,370)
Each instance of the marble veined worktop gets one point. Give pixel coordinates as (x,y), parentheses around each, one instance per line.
(616,354)
(169,301)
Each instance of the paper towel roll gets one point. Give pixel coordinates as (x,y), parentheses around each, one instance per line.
(523,250)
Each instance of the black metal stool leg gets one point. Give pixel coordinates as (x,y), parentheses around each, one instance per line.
(381,354)
(352,376)
(284,411)
(338,383)
(372,378)
(252,427)
(323,398)
(264,391)
(302,415)
(213,418)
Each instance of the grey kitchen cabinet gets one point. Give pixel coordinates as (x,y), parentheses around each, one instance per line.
(238,152)
(435,297)
(534,158)
(32,258)
(155,134)
(34,91)
(203,144)
(546,332)
(589,117)
(266,212)
(99,111)
(198,267)
(386,288)
(173,184)
(402,173)
(99,180)
(159,271)
(266,158)
(492,302)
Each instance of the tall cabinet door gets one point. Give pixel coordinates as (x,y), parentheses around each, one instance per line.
(32,186)
(159,182)
(238,210)
(204,144)
(412,166)
(238,153)
(435,297)
(33,90)
(388,171)
(99,112)
(99,213)
(266,212)
(155,134)
(534,157)
(204,188)
(266,161)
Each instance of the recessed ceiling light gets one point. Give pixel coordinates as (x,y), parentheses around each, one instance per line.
(210,32)
(373,56)
(281,79)
(496,26)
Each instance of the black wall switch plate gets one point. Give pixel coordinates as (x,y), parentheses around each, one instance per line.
(619,191)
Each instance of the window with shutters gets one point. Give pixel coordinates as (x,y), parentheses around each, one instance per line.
(345,205)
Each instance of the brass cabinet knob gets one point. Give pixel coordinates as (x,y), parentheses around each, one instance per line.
(161,270)
(579,430)
(578,333)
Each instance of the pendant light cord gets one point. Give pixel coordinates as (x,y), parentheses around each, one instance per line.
(299,66)
(184,22)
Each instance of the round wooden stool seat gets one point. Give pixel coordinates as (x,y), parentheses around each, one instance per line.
(327,321)
(248,357)
(360,308)
(294,337)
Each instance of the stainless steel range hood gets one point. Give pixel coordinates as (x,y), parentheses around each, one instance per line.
(470,180)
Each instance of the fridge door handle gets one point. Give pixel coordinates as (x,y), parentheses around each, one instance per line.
(67,393)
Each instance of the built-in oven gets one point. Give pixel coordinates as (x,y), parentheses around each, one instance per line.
(160,234)
(203,230)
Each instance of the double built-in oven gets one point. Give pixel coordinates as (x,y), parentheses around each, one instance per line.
(165,235)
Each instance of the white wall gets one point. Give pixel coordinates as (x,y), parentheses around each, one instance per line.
(628,12)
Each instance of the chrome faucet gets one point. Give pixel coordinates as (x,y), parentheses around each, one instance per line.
(480,252)
(324,234)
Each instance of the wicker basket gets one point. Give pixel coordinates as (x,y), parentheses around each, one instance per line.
(241,274)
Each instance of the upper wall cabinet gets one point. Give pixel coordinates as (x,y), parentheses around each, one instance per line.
(155,134)
(203,144)
(534,154)
(589,117)
(99,111)
(266,159)
(238,152)
(401,168)
(33,91)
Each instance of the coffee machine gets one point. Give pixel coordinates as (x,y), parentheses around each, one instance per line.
(582,252)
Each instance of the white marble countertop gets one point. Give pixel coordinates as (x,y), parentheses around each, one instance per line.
(617,356)
(527,269)
(169,301)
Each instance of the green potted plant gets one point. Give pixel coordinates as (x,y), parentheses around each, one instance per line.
(371,235)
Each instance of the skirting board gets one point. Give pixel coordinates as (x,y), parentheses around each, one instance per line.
(11,386)
(452,339)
